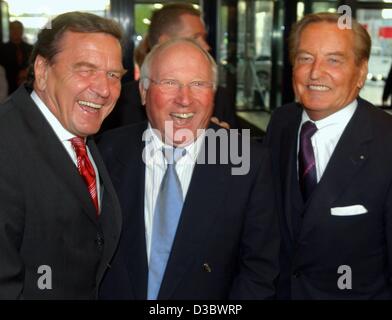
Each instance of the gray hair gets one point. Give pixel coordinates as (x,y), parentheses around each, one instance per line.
(362,41)
(48,43)
(145,72)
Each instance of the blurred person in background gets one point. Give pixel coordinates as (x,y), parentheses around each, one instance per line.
(14,56)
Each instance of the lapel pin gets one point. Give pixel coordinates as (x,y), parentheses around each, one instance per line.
(206,267)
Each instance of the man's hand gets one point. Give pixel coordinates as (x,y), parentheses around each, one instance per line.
(220,123)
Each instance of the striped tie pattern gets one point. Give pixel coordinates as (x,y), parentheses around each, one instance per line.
(86,169)
(306,160)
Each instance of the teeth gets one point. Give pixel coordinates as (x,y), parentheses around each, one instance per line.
(90,104)
(183,115)
(318,88)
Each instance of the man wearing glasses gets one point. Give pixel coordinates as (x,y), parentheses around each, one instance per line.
(192,229)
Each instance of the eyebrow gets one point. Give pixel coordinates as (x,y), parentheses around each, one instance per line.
(334,53)
(85,64)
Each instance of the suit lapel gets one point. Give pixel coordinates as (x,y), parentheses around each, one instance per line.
(128,175)
(110,217)
(288,161)
(350,154)
(206,193)
(54,153)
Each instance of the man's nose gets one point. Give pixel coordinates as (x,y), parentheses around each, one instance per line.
(316,69)
(101,85)
(184,95)
(203,43)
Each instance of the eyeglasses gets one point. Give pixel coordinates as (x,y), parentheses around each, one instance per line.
(173,86)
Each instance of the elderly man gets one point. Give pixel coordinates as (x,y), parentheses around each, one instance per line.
(14,55)
(191,230)
(332,155)
(60,219)
(171,21)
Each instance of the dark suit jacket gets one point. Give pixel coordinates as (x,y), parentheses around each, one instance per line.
(316,243)
(8,58)
(387,87)
(228,222)
(46,214)
(129,109)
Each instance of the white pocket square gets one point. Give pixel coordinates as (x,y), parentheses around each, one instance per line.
(349,210)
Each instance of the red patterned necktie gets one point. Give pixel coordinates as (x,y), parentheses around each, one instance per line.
(86,169)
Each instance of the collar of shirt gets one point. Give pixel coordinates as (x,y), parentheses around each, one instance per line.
(62,133)
(327,136)
(154,146)
(339,118)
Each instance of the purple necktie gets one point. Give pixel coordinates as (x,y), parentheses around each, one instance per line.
(306,162)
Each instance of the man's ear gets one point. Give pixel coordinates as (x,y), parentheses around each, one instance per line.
(363,72)
(142,91)
(41,68)
(163,38)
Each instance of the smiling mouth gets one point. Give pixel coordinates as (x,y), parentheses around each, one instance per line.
(182,115)
(318,87)
(90,104)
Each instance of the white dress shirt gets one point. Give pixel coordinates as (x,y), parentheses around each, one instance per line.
(64,136)
(329,131)
(155,170)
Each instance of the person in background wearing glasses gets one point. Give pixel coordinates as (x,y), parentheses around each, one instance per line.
(171,21)
(190,230)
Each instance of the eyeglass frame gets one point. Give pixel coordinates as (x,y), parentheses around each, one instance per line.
(179,85)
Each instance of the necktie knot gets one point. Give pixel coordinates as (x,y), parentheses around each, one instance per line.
(79,146)
(308,129)
(172,155)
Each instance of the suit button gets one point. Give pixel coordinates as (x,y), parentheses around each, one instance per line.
(296,275)
(99,241)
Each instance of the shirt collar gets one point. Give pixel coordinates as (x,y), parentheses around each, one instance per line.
(341,117)
(62,133)
(154,141)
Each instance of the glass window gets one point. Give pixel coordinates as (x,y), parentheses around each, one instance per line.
(223,44)
(36,14)
(254,54)
(379,25)
(323,7)
(4,21)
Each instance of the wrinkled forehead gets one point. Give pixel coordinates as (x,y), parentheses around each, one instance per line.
(176,55)
(318,29)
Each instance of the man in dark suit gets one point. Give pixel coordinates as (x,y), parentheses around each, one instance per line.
(14,56)
(332,155)
(60,219)
(221,240)
(171,21)
(387,89)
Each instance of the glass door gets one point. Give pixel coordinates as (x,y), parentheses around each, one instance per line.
(255,23)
